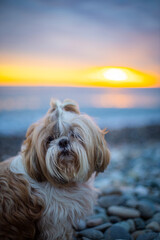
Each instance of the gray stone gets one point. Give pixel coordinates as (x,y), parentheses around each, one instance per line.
(91,233)
(114,219)
(94,222)
(141,190)
(139,223)
(103,226)
(123,212)
(123,224)
(132,203)
(137,233)
(99,210)
(84,238)
(146,208)
(156,217)
(154,226)
(112,190)
(81,225)
(116,232)
(158,237)
(107,201)
(132,225)
(147,236)
(103,216)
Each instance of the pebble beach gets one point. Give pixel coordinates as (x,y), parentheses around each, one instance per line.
(128,205)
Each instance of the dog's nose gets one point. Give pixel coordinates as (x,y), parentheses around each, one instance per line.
(63,142)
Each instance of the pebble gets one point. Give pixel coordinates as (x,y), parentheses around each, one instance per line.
(139,223)
(81,225)
(116,232)
(147,236)
(146,208)
(107,201)
(112,190)
(141,190)
(124,225)
(123,212)
(132,225)
(154,226)
(156,217)
(84,238)
(94,222)
(103,226)
(132,203)
(91,233)
(114,219)
(137,233)
(98,209)
(102,216)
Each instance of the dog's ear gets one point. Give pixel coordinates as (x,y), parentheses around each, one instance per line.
(102,155)
(71,106)
(30,155)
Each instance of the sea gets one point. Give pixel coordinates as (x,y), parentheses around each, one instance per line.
(111,108)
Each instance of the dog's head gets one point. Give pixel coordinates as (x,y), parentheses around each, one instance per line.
(65,146)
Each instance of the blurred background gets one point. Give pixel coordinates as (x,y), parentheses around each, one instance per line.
(103,54)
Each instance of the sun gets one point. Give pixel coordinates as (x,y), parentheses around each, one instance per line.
(115,74)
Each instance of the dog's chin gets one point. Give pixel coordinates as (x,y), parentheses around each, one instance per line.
(64,167)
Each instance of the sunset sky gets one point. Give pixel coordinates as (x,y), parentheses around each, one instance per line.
(80,43)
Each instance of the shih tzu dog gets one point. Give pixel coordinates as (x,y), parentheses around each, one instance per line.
(47,188)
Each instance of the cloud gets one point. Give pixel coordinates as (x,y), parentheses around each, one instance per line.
(91,32)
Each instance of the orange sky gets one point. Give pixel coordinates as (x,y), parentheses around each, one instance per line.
(74,43)
(32,74)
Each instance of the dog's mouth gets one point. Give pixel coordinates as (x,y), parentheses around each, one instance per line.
(67,158)
(65,152)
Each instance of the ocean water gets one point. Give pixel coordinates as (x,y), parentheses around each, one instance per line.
(110,108)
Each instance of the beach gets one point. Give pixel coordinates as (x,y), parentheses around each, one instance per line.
(128,205)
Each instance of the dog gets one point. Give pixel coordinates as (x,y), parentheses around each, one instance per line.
(48,186)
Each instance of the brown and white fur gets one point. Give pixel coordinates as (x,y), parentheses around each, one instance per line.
(48,187)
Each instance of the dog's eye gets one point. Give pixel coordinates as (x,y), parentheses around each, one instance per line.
(73,134)
(50,139)
(77,136)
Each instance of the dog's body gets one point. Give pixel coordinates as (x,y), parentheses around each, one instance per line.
(48,187)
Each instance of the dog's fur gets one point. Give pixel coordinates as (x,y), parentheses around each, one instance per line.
(48,187)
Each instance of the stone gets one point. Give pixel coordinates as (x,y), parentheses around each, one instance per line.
(158,237)
(116,232)
(114,219)
(112,190)
(139,223)
(132,203)
(99,210)
(84,238)
(154,226)
(123,212)
(103,226)
(124,225)
(103,216)
(132,225)
(147,236)
(94,222)
(81,225)
(141,190)
(107,201)
(137,233)
(156,217)
(91,233)
(146,208)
